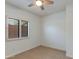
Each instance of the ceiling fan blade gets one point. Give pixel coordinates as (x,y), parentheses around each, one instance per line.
(30,5)
(47,2)
(42,7)
(50,2)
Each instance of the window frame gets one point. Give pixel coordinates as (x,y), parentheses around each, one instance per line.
(21,28)
(6,31)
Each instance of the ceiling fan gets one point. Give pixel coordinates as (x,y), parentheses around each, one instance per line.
(41,3)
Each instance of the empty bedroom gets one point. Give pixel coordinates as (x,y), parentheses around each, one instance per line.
(39,29)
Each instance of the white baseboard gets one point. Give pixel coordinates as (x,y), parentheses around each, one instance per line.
(69,55)
(14,54)
(54,48)
(11,55)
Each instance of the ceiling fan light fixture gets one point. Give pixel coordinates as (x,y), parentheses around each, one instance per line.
(39,3)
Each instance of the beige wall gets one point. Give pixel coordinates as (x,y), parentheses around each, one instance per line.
(53,27)
(69,30)
(18,46)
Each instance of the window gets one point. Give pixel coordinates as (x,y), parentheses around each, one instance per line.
(17,28)
(24,28)
(13,28)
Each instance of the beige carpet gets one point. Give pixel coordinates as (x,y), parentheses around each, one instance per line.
(41,53)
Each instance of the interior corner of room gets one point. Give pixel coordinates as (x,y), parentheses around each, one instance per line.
(53,31)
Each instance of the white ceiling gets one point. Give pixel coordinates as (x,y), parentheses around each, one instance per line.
(56,7)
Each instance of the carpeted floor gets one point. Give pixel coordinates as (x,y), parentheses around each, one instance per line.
(41,53)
